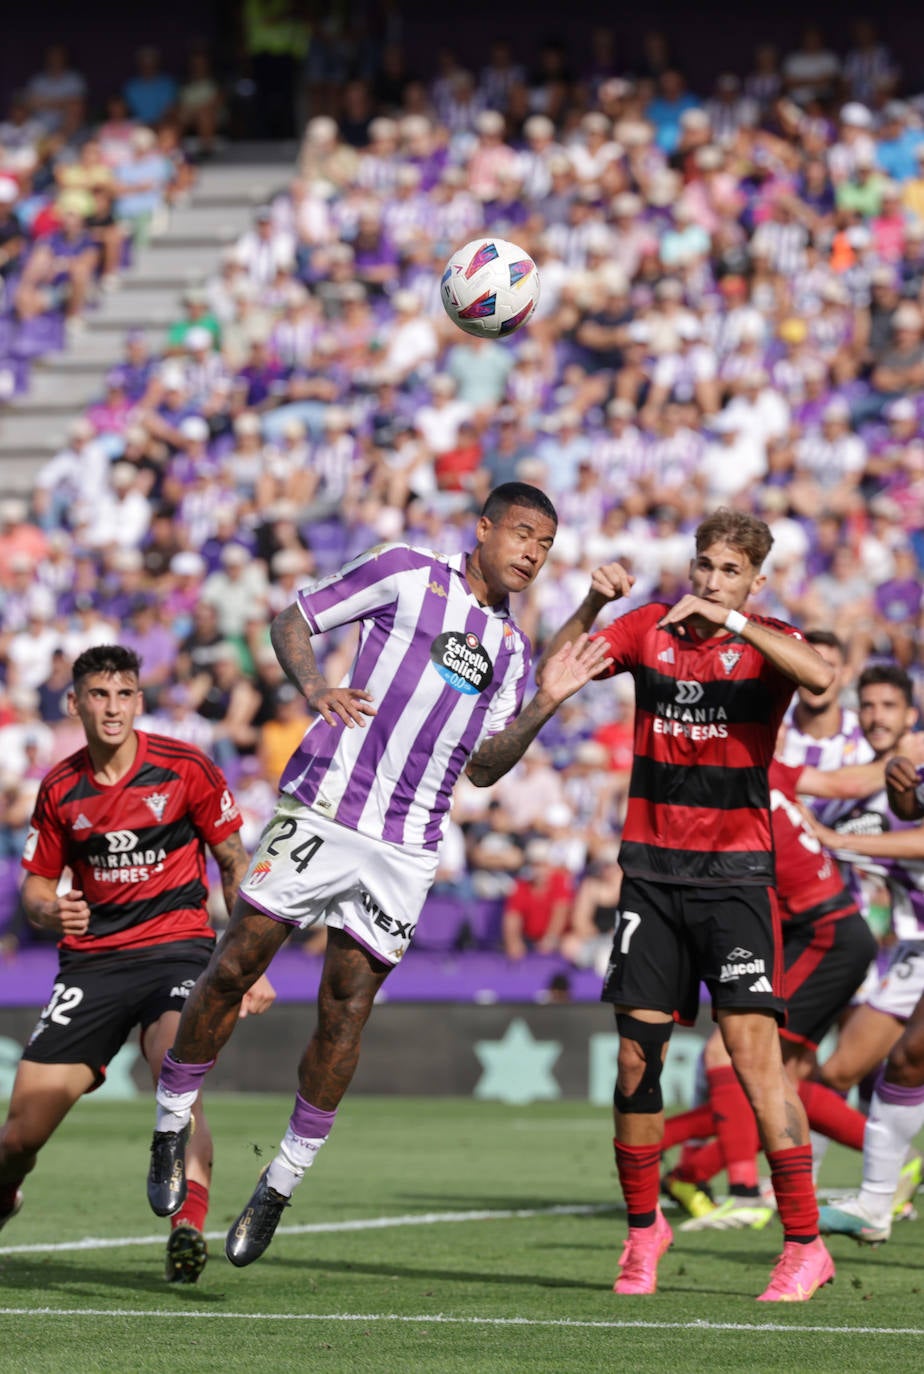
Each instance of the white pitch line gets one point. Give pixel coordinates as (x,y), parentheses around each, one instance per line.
(323,1227)
(440,1318)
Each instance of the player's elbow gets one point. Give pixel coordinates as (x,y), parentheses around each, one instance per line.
(818,678)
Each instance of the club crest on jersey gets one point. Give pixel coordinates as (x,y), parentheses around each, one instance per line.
(462,661)
(728,658)
(156,804)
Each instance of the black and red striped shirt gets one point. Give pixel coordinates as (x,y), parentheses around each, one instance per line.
(809,883)
(706,719)
(137,847)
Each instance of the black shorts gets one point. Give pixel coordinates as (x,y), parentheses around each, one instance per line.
(669,938)
(824,962)
(98,999)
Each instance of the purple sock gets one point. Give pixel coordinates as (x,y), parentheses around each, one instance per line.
(182,1078)
(897,1094)
(310,1123)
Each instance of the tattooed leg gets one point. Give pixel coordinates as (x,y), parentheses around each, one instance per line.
(753,1043)
(349,983)
(244,951)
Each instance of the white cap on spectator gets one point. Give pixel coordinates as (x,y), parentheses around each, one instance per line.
(127,560)
(13,511)
(41,603)
(143,139)
(171,377)
(626,203)
(234,554)
(907,316)
(122,475)
(595,122)
(902,409)
(187,564)
(8,191)
(247,423)
(539,126)
(321,130)
(198,337)
(383,127)
(195,427)
(80,428)
(855,115)
(709,158)
(695,119)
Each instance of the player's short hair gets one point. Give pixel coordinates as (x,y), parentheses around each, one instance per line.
(889,674)
(828,638)
(106,658)
(517,494)
(735,527)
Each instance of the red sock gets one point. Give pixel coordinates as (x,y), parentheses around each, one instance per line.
(695,1124)
(194,1209)
(640,1179)
(700,1163)
(791,1173)
(830,1115)
(735,1125)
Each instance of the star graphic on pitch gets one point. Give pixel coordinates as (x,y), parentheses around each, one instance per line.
(517,1069)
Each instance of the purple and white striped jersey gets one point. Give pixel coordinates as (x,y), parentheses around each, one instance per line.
(904,878)
(444,673)
(847,746)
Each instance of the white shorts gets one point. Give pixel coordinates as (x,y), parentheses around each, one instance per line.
(308,870)
(902,984)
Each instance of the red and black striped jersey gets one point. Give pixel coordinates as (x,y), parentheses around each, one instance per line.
(809,882)
(137,848)
(706,719)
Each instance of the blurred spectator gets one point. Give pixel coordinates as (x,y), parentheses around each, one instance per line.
(150,94)
(537,911)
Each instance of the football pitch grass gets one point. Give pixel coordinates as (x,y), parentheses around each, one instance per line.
(433,1234)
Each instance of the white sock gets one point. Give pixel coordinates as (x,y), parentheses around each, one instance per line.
(173,1109)
(296,1154)
(889,1131)
(819,1144)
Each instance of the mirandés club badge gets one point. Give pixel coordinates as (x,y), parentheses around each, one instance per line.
(462,661)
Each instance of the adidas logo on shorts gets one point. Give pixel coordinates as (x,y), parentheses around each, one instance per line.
(762,985)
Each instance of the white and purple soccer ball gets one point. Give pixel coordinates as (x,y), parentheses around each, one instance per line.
(490,287)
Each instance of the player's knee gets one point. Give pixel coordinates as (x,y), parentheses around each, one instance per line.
(638,1078)
(906,1064)
(20,1141)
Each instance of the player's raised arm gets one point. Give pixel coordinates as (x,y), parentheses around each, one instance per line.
(291,639)
(566,672)
(609,582)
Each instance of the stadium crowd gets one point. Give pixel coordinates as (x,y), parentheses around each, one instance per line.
(732,312)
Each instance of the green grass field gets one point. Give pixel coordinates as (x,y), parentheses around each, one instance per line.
(433,1234)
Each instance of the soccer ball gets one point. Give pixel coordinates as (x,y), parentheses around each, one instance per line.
(490,288)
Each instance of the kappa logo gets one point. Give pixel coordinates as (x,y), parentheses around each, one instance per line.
(728,659)
(762,985)
(157,804)
(688,693)
(81,823)
(436,589)
(666,655)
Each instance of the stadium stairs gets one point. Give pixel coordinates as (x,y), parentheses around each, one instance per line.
(66,379)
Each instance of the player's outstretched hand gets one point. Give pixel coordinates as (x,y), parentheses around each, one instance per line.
(573,666)
(258,998)
(349,704)
(611,581)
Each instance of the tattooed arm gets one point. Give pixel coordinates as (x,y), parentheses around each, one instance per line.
(566,672)
(232,861)
(291,640)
